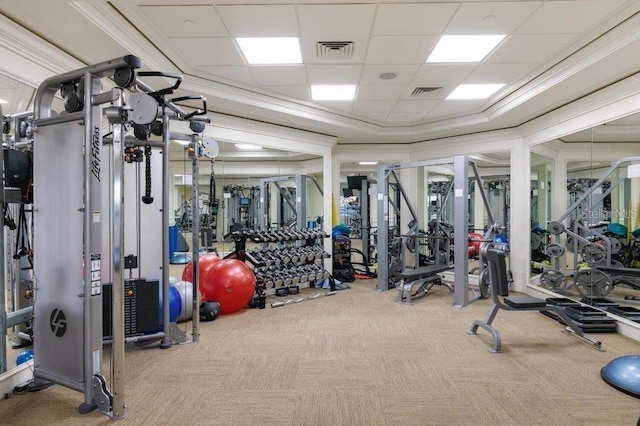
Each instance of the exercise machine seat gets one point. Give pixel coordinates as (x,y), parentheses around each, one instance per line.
(525,302)
(500,288)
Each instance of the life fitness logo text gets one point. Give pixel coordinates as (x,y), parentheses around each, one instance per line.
(58,322)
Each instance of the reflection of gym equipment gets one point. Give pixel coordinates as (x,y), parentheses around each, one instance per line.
(500,288)
(242,206)
(16,261)
(362,225)
(595,243)
(290,204)
(393,245)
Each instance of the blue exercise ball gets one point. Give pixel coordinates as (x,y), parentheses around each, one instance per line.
(623,373)
(175,304)
(501,238)
(24,357)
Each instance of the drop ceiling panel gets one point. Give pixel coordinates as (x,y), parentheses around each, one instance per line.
(309,53)
(373,106)
(280,75)
(342,20)
(371,73)
(377,116)
(404,117)
(413,19)
(240,73)
(530,48)
(568,17)
(207,51)
(260,21)
(380,93)
(491,17)
(298,92)
(334,74)
(175,21)
(499,73)
(421,106)
(400,49)
(441,74)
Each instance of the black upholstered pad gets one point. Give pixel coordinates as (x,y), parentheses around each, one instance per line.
(525,302)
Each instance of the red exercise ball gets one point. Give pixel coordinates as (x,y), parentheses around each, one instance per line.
(474,246)
(205,262)
(231,283)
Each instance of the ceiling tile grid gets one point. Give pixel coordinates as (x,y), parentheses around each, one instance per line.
(387,38)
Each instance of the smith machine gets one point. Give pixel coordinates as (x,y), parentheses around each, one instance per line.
(85,201)
(407,266)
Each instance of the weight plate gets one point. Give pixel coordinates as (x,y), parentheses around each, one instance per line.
(616,246)
(553,280)
(593,253)
(555,228)
(484,284)
(536,242)
(592,283)
(554,250)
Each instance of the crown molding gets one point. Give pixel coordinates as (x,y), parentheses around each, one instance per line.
(607,104)
(28,58)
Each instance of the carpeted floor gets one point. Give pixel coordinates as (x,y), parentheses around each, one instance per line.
(359,358)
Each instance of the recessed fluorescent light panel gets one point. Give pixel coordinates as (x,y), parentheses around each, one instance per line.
(271,50)
(464,48)
(248,147)
(333,92)
(2,101)
(368,163)
(474,91)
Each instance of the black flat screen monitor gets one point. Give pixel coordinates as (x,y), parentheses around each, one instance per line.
(346,192)
(355,182)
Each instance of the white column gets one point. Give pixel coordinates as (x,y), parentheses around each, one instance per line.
(520,212)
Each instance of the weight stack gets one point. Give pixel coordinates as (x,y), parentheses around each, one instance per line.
(141,307)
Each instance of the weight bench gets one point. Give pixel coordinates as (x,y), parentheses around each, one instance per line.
(425,277)
(500,288)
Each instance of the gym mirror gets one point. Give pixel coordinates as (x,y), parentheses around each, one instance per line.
(592,240)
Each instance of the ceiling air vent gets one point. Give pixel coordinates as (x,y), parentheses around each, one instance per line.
(334,49)
(424,90)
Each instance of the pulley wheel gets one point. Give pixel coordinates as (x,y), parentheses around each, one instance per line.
(593,283)
(553,280)
(554,250)
(555,228)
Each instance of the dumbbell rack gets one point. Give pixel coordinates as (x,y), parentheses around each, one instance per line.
(287,259)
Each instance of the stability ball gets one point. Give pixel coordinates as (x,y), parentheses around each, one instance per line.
(474,246)
(623,373)
(205,261)
(24,357)
(229,282)
(185,288)
(175,304)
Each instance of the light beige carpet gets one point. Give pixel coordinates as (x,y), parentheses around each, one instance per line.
(359,358)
